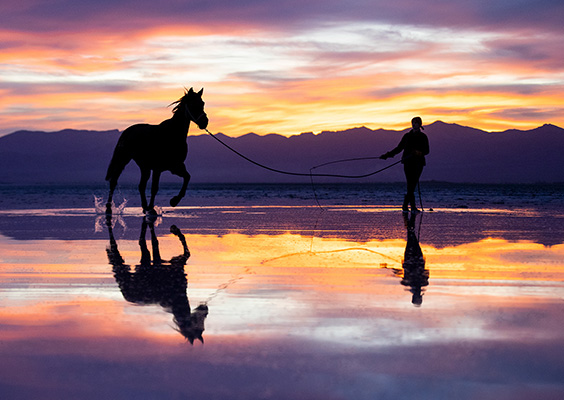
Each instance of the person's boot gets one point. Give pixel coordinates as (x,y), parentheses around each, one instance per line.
(413,205)
(404,207)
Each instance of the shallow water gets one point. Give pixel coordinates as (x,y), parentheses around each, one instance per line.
(548,197)
(302,302)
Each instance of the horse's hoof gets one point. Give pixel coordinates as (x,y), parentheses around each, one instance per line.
(151,212)
(174,201)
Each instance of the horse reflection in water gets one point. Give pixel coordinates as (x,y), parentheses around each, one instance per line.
(415,276)
(156,281)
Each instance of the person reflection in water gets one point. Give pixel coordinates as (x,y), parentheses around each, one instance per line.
(415,276)
(159,282)
(415,146)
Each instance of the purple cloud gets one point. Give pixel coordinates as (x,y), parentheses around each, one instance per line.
(368,49)
(132,15)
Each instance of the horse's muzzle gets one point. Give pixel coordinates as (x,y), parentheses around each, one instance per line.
(202,122)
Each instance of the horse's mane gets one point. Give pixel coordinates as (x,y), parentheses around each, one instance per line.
(176,104)
(179,101)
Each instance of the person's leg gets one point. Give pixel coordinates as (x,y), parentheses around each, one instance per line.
(405,205)
(408,170)
(412,175)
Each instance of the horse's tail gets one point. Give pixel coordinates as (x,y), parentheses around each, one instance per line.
(120,159)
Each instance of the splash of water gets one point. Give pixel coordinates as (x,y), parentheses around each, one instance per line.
(102,220)
(100,206)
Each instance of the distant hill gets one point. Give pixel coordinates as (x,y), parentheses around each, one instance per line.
(458,154)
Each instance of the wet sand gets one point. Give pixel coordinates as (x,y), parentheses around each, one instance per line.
(347,303)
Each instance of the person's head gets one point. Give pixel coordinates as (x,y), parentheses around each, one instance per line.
(417,123)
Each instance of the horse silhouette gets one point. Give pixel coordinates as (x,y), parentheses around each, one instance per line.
(158,148)
(158,282)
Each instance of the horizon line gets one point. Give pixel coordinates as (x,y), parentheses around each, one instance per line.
(192,133)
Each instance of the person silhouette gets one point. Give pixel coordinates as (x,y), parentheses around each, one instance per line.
(415,146)
(415,275)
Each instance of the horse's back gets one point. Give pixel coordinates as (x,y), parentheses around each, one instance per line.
(154,284)
(153,146)
(137,132)
(137,139)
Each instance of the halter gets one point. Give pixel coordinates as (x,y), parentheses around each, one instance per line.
(192,117)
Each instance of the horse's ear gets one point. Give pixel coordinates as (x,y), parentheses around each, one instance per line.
(191,90)
(201,92)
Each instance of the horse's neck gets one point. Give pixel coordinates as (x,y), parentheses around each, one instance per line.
(174,128)
(180,124)
(180,307)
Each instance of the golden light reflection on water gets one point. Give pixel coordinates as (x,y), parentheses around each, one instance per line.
(495,259)
(296,275)
(486,259)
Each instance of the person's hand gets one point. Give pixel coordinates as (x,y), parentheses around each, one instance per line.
(385,156)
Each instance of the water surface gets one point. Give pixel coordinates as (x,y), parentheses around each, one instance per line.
(352,301)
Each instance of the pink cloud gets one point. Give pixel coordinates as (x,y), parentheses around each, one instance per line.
(132,15)
(70,56)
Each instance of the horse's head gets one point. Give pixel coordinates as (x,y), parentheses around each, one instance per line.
(191,326)
(193,106)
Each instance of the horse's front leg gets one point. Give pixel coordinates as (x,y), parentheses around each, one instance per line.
(145,174)
(180,171)
(154,191)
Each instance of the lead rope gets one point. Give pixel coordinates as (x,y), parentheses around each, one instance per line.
(237,277)
(301,173)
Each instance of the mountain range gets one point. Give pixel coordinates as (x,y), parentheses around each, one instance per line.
(458,154)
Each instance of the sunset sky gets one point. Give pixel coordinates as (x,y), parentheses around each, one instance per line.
(282,66)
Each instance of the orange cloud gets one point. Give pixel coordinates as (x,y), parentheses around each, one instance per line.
(306,78)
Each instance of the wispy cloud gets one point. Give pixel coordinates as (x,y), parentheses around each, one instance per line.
(283,67)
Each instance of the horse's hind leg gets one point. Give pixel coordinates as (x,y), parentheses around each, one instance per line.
(120,159)
(180,171)
(154,190)
(113,184)
(145,175)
